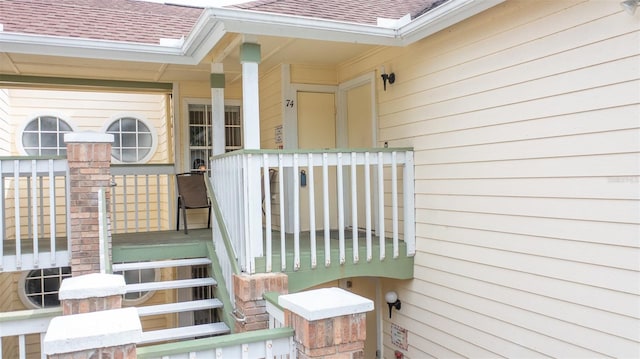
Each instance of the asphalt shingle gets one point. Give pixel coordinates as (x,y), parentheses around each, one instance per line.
(118,20)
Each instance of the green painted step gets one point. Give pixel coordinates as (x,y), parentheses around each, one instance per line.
(120,267)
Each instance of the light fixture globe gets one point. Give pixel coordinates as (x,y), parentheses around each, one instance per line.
(392,300)
(630,6)
(391,297)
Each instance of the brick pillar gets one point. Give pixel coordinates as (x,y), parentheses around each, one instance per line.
(89,160)
(328,323)
(93,324)
(249,290)
(91,293)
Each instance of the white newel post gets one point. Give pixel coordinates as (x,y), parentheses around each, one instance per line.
(217,81)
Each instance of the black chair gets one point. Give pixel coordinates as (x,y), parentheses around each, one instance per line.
(192,193)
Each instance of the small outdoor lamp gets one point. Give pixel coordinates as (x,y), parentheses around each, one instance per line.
(392,300)
(630,6)
(388,77)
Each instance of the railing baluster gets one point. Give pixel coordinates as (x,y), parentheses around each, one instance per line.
(339,180)
(312,211)
(41,206)
(381,205)
(146,185)
(409,204)
(16,210)
(34,210)
(125,211)
(114,211)
(367,204)
(325,203)
(283,251)
(266,204)
(354,208)
(136,208)
(394,202)
(296,213)
(52,213)
(158,200)
(22,346)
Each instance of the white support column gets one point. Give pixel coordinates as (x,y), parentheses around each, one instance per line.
(250,58)
(217,108)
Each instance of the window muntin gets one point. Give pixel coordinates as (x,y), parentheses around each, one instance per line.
(44,136)
(39,287)
(200,132)
(133,140)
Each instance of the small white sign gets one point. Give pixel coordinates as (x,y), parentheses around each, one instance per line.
(399,337)
(278,134)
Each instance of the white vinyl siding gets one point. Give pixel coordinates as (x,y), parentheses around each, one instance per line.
(525,120)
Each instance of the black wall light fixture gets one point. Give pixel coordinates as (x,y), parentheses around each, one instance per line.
(392,301)
(391,78)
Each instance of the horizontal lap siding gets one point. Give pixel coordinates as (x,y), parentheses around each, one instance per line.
(5,127)
(526,126)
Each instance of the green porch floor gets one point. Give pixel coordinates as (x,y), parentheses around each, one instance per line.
(173,244)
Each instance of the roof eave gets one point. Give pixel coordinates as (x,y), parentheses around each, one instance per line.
(442,17)
(88,48)
(214,23)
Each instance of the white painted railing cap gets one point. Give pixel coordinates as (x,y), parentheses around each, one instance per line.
(91,286)
(103,329)
(325,303)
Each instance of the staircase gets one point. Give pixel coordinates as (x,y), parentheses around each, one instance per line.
(185,332)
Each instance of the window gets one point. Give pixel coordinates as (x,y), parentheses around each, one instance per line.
(200,132)
(138,276)
(40,287)
(133,140)
(44,136)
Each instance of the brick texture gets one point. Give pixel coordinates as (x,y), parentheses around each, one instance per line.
(89,170)
(94,304)
(341,337)
(249,301)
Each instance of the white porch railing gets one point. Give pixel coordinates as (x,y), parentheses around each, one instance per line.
(18,325)
(142,197)
(267,343)
(357,191)
(33,212)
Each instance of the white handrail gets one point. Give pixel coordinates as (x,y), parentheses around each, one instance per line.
(375,173)
(22,323)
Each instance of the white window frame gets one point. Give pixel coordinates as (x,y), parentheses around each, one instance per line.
(32,117)
(146,122)
(22,294)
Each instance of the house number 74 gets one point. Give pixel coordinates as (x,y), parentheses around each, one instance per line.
(288,103)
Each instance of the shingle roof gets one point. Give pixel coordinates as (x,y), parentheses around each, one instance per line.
(148,22)
(119,20)
(358,11)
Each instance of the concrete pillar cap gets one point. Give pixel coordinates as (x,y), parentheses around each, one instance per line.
(91,286)
(325,303)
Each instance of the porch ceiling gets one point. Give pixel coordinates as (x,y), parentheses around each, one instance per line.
(275,50)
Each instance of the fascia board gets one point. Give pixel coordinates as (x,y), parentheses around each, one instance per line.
(96,49)
(214,23)
(445,15)
(261,23)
